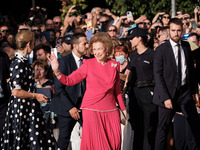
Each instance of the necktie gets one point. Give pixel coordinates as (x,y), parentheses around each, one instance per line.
(80,62)
(82,83)
(179,67)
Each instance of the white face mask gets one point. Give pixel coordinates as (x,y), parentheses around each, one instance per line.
(121,59)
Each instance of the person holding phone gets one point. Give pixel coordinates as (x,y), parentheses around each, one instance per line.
(25,126)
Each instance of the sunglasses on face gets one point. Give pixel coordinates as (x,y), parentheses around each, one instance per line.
(110,30)
(166,17)
(4,30)
(186,18)
(23,29)
(104,22)
(186,24)
(58,23)
(145,23)
(36,30)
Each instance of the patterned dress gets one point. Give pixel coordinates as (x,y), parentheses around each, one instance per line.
(25,126)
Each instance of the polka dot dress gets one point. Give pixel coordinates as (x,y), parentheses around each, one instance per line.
(25,126)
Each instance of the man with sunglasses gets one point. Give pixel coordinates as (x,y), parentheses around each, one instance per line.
(4,30)
(57,23)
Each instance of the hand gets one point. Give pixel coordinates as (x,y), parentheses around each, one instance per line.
(54,62)
(41,98)
(196,98)
(125,113)
(74,112)
(196,10)
(168,104)
(161,13)
(107,12)
(140,19)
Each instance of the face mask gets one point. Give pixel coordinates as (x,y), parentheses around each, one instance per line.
(121,59)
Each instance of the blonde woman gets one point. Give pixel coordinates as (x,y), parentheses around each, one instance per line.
(25,127)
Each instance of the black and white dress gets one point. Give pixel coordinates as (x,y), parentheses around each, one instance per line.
(25,126)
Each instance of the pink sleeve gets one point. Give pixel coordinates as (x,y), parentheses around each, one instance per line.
(118,93)
(76,76)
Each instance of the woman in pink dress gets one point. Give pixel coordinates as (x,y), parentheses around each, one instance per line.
(101,120)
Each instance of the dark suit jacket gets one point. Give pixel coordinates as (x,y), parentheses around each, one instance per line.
(165,72)
(4,74)
(66,97)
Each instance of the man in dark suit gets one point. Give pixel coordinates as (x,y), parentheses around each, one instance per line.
(4,90)
(68,98)
(175,84)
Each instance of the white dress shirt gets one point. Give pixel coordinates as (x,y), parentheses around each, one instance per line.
(183,62)
(77,60)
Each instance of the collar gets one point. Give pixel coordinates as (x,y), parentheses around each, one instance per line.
(174,43)
(76,57)
(21,56)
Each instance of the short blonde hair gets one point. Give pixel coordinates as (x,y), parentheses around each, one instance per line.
(23,37)
(103,38)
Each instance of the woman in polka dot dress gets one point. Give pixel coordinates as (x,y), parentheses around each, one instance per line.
(25,127)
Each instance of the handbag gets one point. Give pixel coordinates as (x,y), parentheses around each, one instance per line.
(122,117)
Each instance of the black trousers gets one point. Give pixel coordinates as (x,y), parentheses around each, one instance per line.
(183,137)
(3,110)
(182,102)
(143,114)
(65,125)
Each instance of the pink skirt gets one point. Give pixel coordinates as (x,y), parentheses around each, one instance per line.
(101,130)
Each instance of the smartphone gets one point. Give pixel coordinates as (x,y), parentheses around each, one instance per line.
(129,15)
(55,51)
(58,43)
(194,25)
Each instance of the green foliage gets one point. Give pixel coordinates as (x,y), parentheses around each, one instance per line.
(149,7)
(82,3)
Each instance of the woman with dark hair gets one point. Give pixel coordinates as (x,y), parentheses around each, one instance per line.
(101,119)
(121,55)
(143,113)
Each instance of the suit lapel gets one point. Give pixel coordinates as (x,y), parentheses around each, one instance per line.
(171,54)
(72,62)
(185,49)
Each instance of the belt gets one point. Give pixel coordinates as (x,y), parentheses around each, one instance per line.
(183,87)
(144,83)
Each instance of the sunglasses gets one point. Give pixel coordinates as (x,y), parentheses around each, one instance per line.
(145,23)
(186,24)
(104,21)
(4,30)
(23,29)
(112,30)
(166,17)
(38,30)
(186,18)
(58,22)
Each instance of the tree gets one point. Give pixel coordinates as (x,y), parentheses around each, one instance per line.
(149,7)
(66,4)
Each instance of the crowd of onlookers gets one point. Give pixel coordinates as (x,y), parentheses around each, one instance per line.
(55,34)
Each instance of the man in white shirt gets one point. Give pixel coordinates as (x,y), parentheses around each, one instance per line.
(175,84)
(68,99)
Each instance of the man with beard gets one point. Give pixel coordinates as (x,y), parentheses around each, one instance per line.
(175,84)
(68,98)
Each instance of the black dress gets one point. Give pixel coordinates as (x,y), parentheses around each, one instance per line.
(25,126)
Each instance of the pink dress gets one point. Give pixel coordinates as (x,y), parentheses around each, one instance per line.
(101,121)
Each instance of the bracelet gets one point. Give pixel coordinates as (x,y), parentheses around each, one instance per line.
(33,96)
(57,73)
